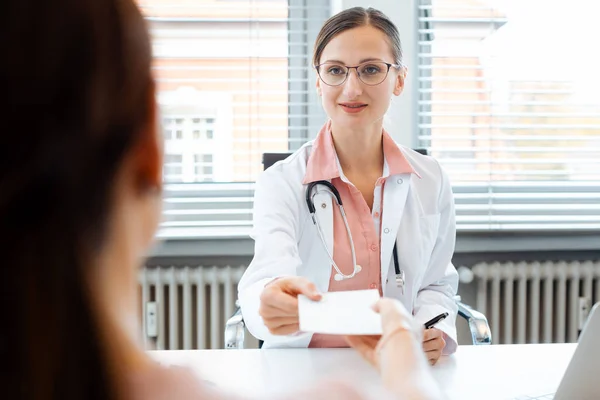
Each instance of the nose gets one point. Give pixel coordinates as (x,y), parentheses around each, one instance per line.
(353,85)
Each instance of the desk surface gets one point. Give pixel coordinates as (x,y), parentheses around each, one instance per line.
(474,372)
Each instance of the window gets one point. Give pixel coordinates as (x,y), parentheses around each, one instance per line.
(210,128)
(508,103)
(172,170)
(172,128)
(233,82)
(187,143)
(203,167)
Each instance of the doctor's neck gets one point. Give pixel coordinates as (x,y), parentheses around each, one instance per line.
(361,149)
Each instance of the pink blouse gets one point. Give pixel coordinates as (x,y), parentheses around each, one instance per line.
(364,223)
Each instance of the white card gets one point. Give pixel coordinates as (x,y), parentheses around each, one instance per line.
(341,313)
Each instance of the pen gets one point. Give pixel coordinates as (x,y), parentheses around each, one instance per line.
(429,324)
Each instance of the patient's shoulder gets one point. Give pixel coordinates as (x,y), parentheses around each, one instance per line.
(170,382)
(341,390)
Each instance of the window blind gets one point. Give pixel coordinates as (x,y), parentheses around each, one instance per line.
(234,81)
(508,103)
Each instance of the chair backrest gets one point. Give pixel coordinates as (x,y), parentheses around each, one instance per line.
(269,159)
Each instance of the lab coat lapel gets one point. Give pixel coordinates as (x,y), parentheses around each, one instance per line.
(394,201)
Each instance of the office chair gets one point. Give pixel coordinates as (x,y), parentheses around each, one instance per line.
(234,328)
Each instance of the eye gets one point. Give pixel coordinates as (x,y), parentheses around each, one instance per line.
(335,70)
(371,69)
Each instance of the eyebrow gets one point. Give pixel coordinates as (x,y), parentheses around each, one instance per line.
(360,62)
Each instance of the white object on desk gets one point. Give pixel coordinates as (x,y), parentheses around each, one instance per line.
(341,313)
(497,372)
(580,380)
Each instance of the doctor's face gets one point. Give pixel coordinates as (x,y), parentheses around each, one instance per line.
(358,102)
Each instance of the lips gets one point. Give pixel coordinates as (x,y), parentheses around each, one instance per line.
(353,105)
(353,108)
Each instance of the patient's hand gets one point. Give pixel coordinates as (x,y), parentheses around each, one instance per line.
(365,345)
(433,344)
(397,324)
(398,354)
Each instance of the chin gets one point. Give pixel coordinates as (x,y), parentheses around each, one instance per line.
(352,121)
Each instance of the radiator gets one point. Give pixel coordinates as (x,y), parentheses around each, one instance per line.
(187,307)
(536,302)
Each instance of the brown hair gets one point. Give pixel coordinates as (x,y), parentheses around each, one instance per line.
(77,91)
(353,18)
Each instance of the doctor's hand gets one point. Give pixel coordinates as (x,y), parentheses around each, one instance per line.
(433,344)
(279,303)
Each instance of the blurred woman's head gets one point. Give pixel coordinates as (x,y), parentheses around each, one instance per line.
(79,184)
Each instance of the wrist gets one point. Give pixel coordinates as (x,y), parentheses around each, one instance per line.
(404,333)
(272,281)
(401,361)
(399,335)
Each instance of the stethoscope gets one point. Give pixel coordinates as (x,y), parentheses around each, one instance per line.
(339,276)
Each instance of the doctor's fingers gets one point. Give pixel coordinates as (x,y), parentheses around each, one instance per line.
(266,311)
(436,344)
(285,329)
(280,321)
(433,356)
(296,285)
(277,300)
(432,334)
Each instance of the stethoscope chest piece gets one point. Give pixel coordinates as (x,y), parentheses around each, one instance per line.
(339,277)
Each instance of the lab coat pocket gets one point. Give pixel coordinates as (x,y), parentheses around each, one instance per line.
(429,225)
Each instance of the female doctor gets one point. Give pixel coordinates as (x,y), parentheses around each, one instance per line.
(398,231)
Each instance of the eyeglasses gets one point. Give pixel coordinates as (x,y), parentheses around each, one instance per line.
(370,73)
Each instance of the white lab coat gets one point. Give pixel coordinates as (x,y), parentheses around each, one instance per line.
(418,214)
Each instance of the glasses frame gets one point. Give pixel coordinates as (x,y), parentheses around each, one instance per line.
(389,65)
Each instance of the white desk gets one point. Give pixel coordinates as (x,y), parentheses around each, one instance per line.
(474,372)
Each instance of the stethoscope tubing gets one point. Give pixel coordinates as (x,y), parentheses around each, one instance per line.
(311,208)
(336,195)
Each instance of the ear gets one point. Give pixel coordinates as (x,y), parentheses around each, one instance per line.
(148,153)
(318,84)
(399,82)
